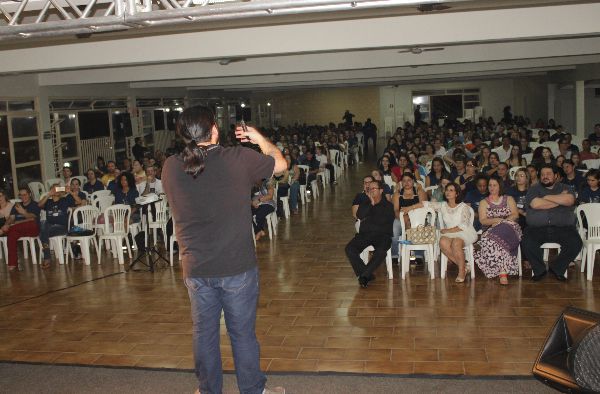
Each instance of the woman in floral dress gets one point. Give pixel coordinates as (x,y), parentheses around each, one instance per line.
(499,243)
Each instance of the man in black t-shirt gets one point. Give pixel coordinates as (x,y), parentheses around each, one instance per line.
(376,220)
(56,204)
(138,150)
(362,196)
(208,188)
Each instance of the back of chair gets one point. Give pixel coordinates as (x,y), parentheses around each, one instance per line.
(103,202)
(99,193)
(334,156)
(161,213)
(120,214)
(591,213)
(595,149)
(305,169)
(53,181)
(513,171)
(82,179)
(85,217)
(591,163)
(528,157)
(388,181)
(418,217)
(37,190)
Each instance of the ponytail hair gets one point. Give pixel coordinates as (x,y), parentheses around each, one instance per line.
(194,125)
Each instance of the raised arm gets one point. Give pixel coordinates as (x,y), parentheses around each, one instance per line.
(252,135)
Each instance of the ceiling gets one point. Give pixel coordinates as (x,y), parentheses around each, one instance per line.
(355,47)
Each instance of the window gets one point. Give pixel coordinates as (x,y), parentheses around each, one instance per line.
(24,127)
(93,124)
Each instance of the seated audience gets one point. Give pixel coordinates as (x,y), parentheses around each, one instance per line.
(406,194)
(24,221)
(262,205)
(151,184)
(74,193)
(519,193)
(474,197)
(126,193)
(110,174)
(93,184)
(387,190)
(376,215)
(458,230)
(550,218)
(585,153)
(573,178)
(438,169)
(138,172)
(5,208)
(499,243)
(56,204)
(362,196)
(590,193)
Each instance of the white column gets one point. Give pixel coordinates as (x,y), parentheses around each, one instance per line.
(580,108)
(551,100)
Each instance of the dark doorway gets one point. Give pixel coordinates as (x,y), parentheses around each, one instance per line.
(450,106)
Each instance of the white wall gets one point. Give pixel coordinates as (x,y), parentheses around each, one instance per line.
(564,109)
(531,97)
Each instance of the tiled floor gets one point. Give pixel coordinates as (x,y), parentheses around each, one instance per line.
(312,314)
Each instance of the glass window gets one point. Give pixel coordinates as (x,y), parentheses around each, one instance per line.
(147,117)
(159,119)
(93,124)
(69,148)
(26,151)
(471,97)
(68,124)
(24,127)
(5,165)
(121,122)
(172,117)
(21,105)
(2,106)
(29,174)
(471,105)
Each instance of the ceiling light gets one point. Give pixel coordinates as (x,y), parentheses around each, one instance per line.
(243,105)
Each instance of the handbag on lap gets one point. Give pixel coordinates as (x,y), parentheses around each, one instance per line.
(421,235)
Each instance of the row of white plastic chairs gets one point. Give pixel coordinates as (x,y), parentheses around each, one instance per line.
(590,236)
(115,229)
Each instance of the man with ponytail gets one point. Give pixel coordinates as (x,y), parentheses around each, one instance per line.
(208,187)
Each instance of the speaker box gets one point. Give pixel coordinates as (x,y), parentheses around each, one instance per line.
(554,364)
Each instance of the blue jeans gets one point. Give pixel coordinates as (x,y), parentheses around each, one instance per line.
(48,230)
(294,192)
(237,297)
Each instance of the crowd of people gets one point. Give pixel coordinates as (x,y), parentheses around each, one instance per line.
(479,178)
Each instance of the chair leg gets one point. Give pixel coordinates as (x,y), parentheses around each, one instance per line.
(388,263)
(32,250)
(443,265)
(99,252)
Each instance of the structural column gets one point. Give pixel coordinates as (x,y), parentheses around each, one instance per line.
(580,108)
(551,100)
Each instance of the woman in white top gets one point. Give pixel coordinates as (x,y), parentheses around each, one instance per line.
(458,230)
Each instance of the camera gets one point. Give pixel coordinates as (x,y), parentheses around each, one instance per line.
(61,189)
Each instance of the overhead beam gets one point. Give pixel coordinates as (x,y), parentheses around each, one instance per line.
(326,62)
(402,31)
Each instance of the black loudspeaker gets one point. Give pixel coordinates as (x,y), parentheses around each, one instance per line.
(562,362)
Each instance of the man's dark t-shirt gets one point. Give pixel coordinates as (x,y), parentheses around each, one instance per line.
(212,213)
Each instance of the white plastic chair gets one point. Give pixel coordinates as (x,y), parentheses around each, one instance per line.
(84,217)
(547,246)
(590,236)
(418,217)
(528,157)
(158,221)
(102,203)
(361,145)
(513,171)
(99,193)
(303,186)
(468,249)
(595,149)
(37,190)
(116,231)
(4,248)
(592,163)
(314,186)
(323,176)
(173,239)
(29,244)
(53,181)
(387,179)
(335,159)
(364,255)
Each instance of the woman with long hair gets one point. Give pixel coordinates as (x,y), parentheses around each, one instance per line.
(516,157)
(384,165)
(492,168)
(438,169)
(519,193)
(467,180)
(138,172)
(484,157)
(499,244)
(406,194)
(458,231)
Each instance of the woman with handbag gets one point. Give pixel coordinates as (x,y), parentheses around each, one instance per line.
(499,245)
(458,230)
(406,194)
